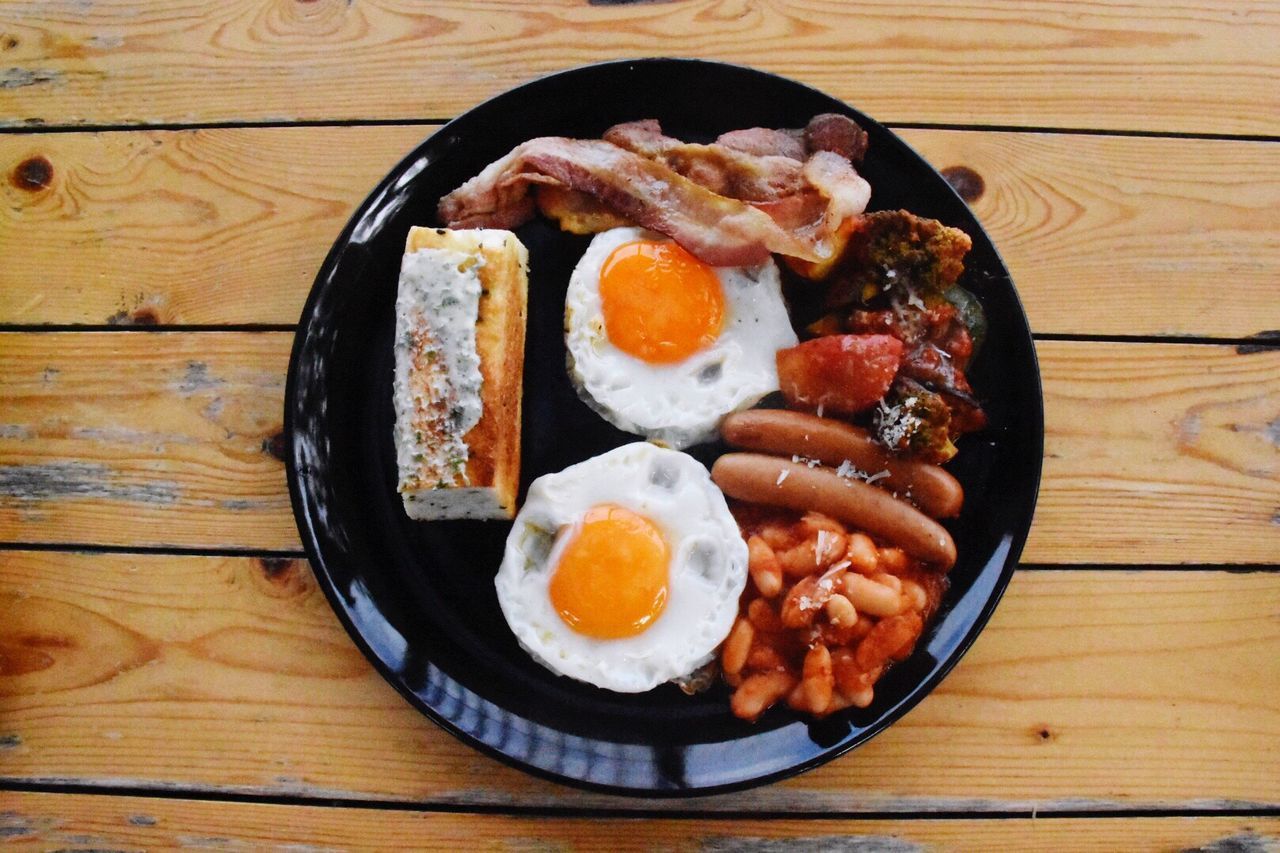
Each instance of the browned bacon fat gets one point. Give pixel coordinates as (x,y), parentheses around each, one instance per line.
(721,231)
(721,169)
(727,206)
(826,132)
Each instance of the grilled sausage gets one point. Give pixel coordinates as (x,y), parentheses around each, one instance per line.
(832,442)
(779,482)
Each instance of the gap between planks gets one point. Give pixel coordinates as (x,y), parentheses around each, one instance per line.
(52,820)
(1073,215)
(39,129)
(908,808)
(246,684)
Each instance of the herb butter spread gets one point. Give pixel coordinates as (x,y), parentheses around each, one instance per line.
(437,368)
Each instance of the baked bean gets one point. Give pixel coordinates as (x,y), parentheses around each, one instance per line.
(766,571)
(733,680)
(871,597)
(813,554)
(863,698)
(829,548)
(888,580)
(758,692)
(914,595)
(807,597)
(812,522)
(838,703)
(817,680)
(797,700)
(802,604)
(764,657)
(893,560)
(915,627)
(861,554)
(891,639)
(846,635)
(736,647)
(798,561)
(840,610)
(763,617)
(849,677)
(779,536)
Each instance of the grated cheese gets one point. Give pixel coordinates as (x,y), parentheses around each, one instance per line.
(824,542)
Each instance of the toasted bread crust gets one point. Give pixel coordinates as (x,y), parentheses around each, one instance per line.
(494,442)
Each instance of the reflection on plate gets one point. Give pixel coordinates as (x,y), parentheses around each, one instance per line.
(419,598)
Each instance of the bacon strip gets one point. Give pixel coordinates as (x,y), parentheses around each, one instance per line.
(825,132)
(723,170)
(721,231)
(726,205)
(763,141)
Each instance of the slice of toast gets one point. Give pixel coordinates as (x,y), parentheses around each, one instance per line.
(460,329)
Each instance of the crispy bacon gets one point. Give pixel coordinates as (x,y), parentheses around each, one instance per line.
(763,141)
(725,171)
(721,231)
(727,206)
(825,132)
(644,137)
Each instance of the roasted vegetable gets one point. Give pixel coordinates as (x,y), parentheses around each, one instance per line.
(915,421)
(896,250)
(969,312)
(839,374)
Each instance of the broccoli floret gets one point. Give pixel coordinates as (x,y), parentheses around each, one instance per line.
(897,251)
(916,421)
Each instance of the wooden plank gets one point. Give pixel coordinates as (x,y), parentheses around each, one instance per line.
(1123,236)
(207,226)
(231,225)
(1205,67)
(166,438)
(1089,690)
(45,821)
(1163,453)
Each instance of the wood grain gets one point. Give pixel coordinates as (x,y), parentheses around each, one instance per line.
(1089,690)
(1163,453)
(1104,235)
(1204,67)
(1107,235)
(45,821)
(206,226)
(163,438)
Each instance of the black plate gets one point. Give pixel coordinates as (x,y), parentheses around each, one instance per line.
(419,599)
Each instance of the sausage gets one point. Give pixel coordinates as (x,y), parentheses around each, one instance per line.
(779,482)
(831,442)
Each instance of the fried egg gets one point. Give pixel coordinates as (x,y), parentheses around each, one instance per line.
(623,571)
(663,345)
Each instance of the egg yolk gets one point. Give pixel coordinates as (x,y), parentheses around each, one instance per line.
(611,580)
(660,303)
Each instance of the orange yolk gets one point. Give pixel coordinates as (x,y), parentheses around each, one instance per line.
(611,580)
(660,303)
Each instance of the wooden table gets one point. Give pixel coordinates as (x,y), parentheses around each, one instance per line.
(173,173)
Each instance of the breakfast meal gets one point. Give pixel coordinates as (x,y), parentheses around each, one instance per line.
(459,368)
(813,555)
(671,375)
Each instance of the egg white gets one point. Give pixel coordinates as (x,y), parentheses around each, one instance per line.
(707,572)
(683,403)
